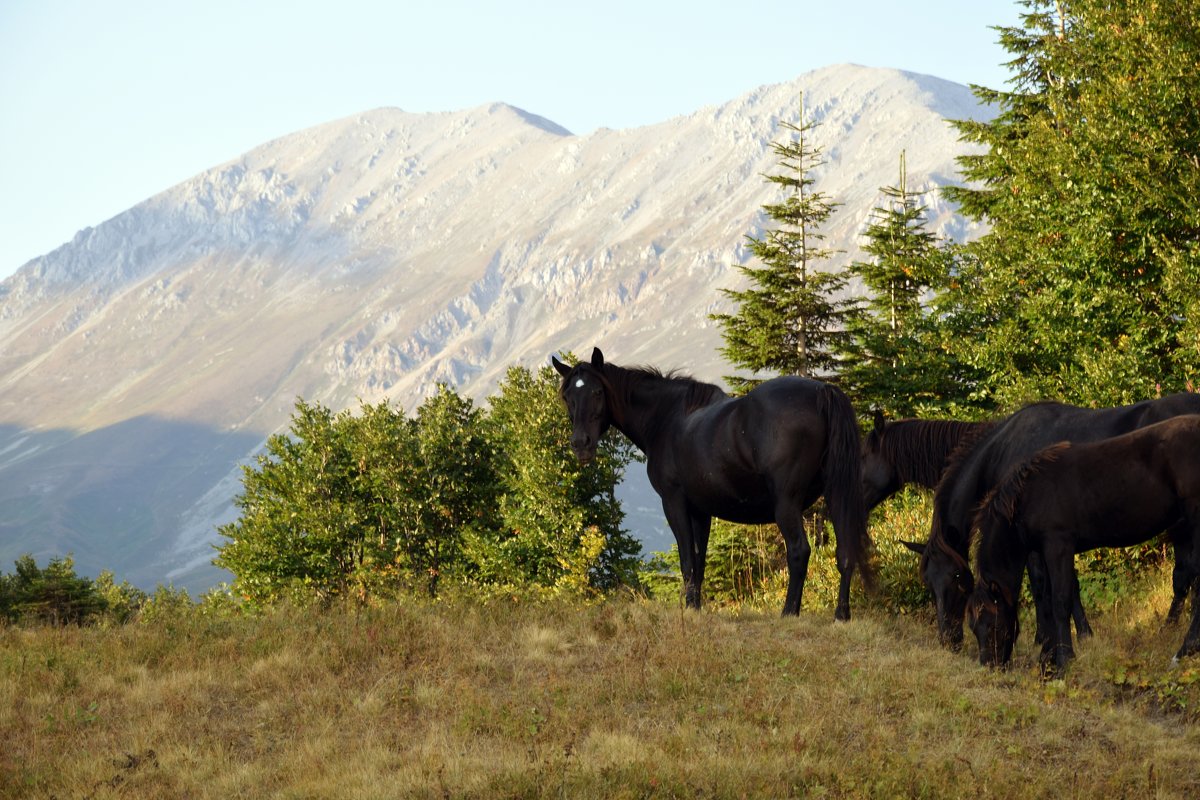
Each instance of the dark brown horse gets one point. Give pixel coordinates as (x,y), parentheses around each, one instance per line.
(764,457)
(944,566)
(1070,498)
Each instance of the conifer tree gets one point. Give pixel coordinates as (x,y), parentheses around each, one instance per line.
(788,320)
(53,595)
(893,359)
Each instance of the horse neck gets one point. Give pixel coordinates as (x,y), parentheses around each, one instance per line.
(642,402)
(1000,555)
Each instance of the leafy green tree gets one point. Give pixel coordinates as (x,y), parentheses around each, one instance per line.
(384,449)
(454,488)
(788,320)
(894,358)
(1087,286)
(378,502)
(561,524)
(122,601)
(303,526)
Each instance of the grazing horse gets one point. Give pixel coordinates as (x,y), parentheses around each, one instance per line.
(1074,497)
(967,481)
(906,451)
(764,457)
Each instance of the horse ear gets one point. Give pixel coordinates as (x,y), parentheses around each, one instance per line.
(879,421)
(916,547)
(597,357)
(997,594)
(562,368)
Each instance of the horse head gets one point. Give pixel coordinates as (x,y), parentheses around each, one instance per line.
(948,577)
(992,613)
(584,392)
(880,478)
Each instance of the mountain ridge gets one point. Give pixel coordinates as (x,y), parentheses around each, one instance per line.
(379,254)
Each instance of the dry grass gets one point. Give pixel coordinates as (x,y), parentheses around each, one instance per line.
(627,698)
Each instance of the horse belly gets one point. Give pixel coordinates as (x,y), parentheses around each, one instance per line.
(1120,513)
(743,501)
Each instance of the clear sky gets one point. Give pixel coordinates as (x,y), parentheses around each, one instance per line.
(106,103)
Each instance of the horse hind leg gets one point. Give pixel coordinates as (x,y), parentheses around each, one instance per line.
(1191,641)
(1083,628)
(791,525)
(1183,576)
(1189,555)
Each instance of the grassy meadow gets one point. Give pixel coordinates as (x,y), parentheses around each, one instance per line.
(625,697)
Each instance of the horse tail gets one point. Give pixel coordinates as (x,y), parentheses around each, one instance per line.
(842,468)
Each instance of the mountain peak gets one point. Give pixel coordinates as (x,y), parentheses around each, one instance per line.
(377,255)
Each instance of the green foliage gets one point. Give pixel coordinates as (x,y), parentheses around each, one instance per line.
(52,595)
(1086,286)
(895,358)
(553,510)
(788,321)
(166,604)
(303,528)
(122,601)
(454,487)
(379,503)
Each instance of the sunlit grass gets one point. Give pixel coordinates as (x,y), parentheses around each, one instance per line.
(622,698)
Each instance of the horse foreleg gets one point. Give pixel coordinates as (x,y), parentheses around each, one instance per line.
(691,537)
(791,525)
(687,568)
(701,526)
(1043,604)
(1060,568)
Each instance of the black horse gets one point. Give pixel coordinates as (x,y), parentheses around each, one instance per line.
(1074,497)
(764,457)
(906,451)
(967,481)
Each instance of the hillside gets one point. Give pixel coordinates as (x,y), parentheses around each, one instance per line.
(377,255)
(615,699)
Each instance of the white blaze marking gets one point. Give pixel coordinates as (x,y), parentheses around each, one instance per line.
(579,383)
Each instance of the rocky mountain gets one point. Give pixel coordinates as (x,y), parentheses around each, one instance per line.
(377,255)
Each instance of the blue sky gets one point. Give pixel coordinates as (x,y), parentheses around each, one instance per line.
(104,104)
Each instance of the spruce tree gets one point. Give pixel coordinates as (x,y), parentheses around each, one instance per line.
(788,320)
(893,359)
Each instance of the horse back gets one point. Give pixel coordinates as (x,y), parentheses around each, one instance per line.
(733,458)
(1119,491)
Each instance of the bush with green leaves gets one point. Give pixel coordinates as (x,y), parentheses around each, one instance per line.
(379,503)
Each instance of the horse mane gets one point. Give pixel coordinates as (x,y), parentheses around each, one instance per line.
(950,474)
(696,394)
(921,449)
